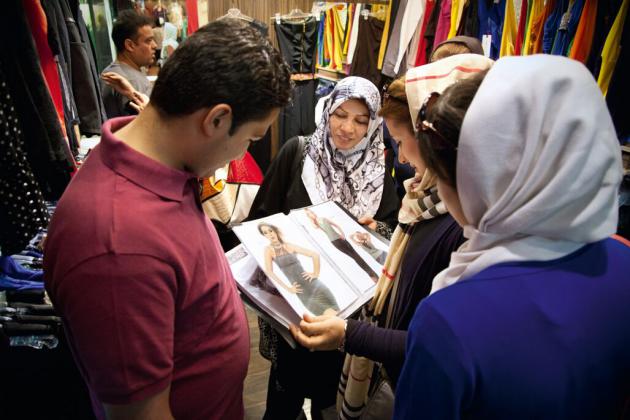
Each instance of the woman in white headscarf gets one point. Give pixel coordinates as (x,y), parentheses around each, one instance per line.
(530,319)
(342,161)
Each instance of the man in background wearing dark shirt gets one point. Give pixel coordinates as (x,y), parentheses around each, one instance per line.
(133,265)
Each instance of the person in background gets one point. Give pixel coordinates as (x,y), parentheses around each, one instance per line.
(135,48)
(132,263)
(420,247)
(342,161)
(453,46)
(530,319)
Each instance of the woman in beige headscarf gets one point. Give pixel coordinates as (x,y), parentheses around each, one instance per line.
(420,247)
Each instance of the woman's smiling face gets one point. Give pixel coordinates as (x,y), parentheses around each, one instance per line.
(348,124)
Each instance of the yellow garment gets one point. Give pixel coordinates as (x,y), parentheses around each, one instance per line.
(510,30)
(611,50)
(535,10)
(381,51)
(339,15)
(379,11)
(457,8)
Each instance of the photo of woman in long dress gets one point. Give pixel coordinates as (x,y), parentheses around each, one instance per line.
(311,291)
(338,239)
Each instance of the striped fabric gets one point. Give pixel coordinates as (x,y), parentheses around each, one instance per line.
(421,202)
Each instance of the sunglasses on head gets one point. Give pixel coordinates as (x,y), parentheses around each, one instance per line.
(422,124)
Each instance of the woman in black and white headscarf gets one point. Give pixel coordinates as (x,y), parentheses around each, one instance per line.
(342,161)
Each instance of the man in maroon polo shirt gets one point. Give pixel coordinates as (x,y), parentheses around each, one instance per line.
(133,265)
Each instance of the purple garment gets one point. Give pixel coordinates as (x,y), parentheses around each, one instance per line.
(443,24)
(524,340)
(428,253)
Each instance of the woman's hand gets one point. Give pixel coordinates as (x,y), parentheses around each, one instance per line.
(295,288)
(324,332)
(309,276)
(368,221)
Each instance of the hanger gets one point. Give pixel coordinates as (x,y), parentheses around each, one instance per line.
(294,14)
(235,13)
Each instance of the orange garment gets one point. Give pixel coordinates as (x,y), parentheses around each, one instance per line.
(536,9)
(581,48)
(538,28)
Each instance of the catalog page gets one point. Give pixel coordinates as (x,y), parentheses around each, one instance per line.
(318,259)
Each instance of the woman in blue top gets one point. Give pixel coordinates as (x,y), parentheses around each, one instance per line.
(530,319)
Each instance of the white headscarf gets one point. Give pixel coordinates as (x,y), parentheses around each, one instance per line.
(332,174)
(538,166)
(421,81)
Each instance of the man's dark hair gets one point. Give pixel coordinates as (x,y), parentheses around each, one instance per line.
(439,151)
(126,27)
(224,62)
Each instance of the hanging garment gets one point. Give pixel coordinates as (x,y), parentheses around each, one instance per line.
(535,10)
(59,44)
(538,28)
(612,49)
(508,38)
(552,24)
(354,33)
(469,22)
(606,14)
(567,28)
(412,51)
(365,62)
(297,41)
(444,23)
(85,79)
(429,32)
(44,145)
(193,17)
(296,119)
(583,40)
(348,32)
(391,55)
(522,24)
(457,9)
(423,42)
(619,88)
(22,209)
(392,10)
(412,17)
(491,16)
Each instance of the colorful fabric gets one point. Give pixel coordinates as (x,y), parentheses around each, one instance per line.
(612,49)
(558,190)
(581,48)
(508,38)
(568,26)
(421,56)
(457,8)
(384,40)
(537,26)
(522,24)
(355,183)
(444,23)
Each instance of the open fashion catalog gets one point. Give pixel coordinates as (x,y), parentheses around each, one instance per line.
(315,260)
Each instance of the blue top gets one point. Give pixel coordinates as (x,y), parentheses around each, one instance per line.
(524,340)
(491,17)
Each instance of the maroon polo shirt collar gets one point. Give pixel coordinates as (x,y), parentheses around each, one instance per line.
(140,169)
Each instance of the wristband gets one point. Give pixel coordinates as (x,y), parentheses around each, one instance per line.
(342,346)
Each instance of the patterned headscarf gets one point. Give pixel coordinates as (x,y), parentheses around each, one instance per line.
(329,173)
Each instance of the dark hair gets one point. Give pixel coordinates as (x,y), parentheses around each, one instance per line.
(126,27)
(272,227)
(439,151)
(224,62)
